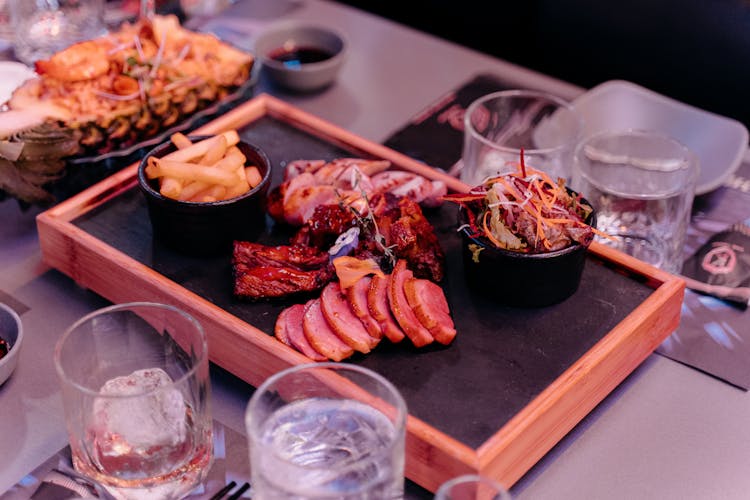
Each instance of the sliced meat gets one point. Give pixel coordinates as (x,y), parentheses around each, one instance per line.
(297,167)
(281,328)
(319,333)
(275,202)
(289,330)
(357,296)
(401,309)
(409,235)
(322,229)
(263,272)
(423,191)
(342,320)
(380,309)
(428,302)
(411,185)
(302,195)
(367,167)
(328,173)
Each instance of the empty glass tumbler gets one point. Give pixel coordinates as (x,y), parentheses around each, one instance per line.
(641,184)
(498,126)
(43,27)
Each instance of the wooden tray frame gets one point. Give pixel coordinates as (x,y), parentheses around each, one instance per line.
(252,355)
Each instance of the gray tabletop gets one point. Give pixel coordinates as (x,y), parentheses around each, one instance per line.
(667,432)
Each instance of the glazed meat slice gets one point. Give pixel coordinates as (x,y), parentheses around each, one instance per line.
(380,309)
(289,330)
(342,320)
(409,234)
(262,272)
(357,296)
(401,309)
(319,334)
(428,302)
(325,225)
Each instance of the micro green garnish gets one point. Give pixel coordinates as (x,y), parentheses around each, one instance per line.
(367,222)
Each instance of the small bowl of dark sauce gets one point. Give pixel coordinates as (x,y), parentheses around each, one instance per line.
(299,56)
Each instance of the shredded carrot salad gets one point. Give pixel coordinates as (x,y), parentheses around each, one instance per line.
(526,211)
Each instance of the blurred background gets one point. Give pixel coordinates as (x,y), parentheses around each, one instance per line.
(696,51)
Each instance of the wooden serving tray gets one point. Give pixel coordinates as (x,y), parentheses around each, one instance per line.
(511,385)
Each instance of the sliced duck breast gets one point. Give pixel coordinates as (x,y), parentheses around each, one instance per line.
(357,296)
(410,185)
(297,167)
(341,319)
(390,179)
(380,309)
(422,190)
(319,333)
(428,302)
(281,328)
(303,195)
(401,309)
(289,330)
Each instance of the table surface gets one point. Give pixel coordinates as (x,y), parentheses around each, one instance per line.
(667,432)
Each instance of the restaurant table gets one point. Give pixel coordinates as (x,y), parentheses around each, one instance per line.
(668,431)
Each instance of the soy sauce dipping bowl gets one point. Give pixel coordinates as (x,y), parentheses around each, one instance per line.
(206,228)
(11,331)
(301,57)
(518,278)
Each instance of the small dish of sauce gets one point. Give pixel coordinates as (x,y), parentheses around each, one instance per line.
(295,56)
(299,56)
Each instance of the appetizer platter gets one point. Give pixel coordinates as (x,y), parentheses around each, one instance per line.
(97,104)
(490,387)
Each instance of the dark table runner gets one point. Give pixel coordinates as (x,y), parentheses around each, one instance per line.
(714,336)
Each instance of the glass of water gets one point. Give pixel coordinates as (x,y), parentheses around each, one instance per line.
(642,185)
(498,126)
(42,28)
(472,487)
(326,430)
(135,387)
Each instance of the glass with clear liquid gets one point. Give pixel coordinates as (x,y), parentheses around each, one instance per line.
(325,431)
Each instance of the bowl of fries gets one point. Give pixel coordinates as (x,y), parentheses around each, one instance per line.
(204,192)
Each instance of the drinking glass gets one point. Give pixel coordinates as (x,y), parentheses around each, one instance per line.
(498,126)
(135,387)
(641,184)
(326,430)
(472,487)
(44,27)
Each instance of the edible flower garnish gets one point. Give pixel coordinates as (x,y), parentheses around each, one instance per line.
(349,270)
(525,211)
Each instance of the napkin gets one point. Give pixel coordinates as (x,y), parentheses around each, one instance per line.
(713,335)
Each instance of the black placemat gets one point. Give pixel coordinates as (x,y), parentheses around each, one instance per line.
(502,357)
(435,135)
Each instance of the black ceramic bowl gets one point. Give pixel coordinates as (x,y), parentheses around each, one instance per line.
(518,278)
(208,228)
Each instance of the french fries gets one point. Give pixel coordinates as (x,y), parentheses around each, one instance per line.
(209,170)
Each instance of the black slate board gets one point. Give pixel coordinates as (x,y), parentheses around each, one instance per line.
(502,357)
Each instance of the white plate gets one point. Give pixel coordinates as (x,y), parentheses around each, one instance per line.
(718,141)
(14,74)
